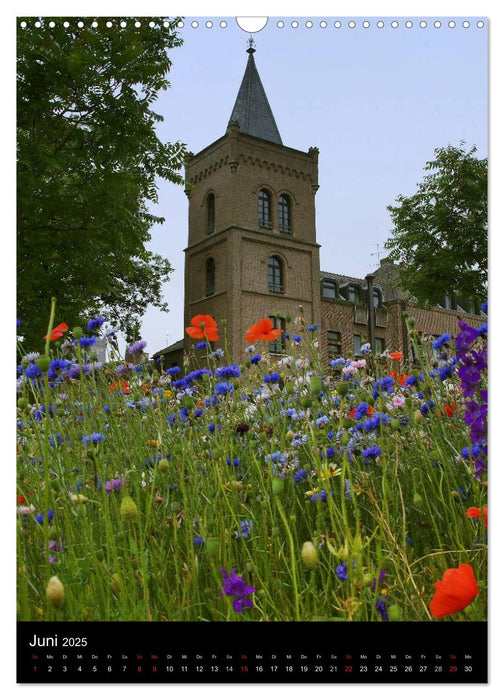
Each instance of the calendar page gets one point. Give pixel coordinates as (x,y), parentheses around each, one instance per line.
(252,349)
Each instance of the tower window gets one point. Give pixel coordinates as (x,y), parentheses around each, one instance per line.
(284,214)
(210,213)
(210,277)
(275,276)
(264,209)
(278,345)
(329,289)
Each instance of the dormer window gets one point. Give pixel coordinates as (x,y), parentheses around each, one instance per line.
(353,292)
(329,289)
(284,214)
(264,209)
(210,213)
(377,298)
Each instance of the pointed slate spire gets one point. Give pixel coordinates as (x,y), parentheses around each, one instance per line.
(251,109)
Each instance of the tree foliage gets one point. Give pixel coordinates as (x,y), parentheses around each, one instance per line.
(440,233)
(88,160)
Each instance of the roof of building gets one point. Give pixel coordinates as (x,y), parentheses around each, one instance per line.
(179,345)
(251,109)
(385,277)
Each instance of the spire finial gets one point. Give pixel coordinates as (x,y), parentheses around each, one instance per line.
(251,45)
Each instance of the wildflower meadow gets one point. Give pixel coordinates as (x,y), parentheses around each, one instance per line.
(277,488)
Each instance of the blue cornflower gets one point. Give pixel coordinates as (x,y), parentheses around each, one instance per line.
(272,378)
(296,338)
(198,412)
(322,496)
(198,541)
(202,345)
(138,346)
(173,370)
(33,372)
(313,327)
(245,527)
(236,462)
(381,608)
(86,342)
(411,381)
(95,438)
(40,517)
(223,388)
(442,340)
(484,307)
(255,359)
(445,372)
(95,323)
(196,374)
(330,452)
(341,571)
(338,361)
(373,423)
(300,475)
(361,411)
(426,407)
(384,384)
(483,330)
(228,372)
(371,452)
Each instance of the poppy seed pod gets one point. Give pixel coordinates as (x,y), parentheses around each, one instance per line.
(77,332)
(163,464)
(43,363)
(55,592)
(342,388)
(128,509)
(309,555)
(278,486)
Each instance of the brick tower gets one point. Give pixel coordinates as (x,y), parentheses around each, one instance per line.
(252,249)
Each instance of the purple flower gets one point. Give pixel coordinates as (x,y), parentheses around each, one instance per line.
(228,372)
(138,346)
(236,587)
(371,452)
(95,323)
(464,339)
(341,571)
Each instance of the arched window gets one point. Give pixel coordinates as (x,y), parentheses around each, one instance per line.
(329,289)
(284,214)
(210,277)
(210,213)
(275,275)
(264,209)
(377,298)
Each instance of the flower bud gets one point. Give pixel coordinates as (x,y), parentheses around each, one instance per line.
(212,547)
(394,613)
(411,321)
(43,363)
(22,402)
(163,464)
(418,417)
(417,500)
(128,510)
(395,425)
(77,332)
(342,388)
(289,387)
(289,435)
(315,386)
(278,486)
(309,555)
(55,592)
(306,402)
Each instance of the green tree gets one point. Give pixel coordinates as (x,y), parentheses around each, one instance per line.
(440,233)
(88,161)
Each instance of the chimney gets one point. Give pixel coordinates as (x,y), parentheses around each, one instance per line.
(371,313)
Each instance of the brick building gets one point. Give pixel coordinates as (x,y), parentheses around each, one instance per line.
(252,250)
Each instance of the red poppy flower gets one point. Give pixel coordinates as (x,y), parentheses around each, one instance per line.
(396,356)
(203,326)
(450,410)
(262,330)
(21,500)
(454,592)
(58,331)
(118,386)
(478,513)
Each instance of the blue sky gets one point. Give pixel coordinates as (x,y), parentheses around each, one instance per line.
(375,101)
